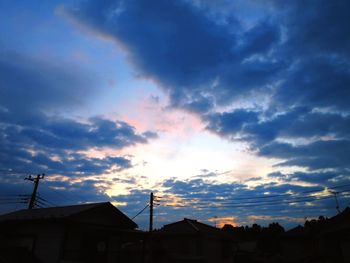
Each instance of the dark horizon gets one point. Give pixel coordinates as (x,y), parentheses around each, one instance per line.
(231,112)
(99,233)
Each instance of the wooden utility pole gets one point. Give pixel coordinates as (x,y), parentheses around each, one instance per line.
(36,184)
(336,201)
(151,199)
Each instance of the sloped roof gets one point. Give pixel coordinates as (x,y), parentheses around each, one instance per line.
(65,212)
(337,223)
(344,216)
(295,232)
(190,226)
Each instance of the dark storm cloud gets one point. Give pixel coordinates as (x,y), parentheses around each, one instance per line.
(317,82)
(205,62)
(228,123)
(335,178)
(53,149)
(321,29)
(185,49)
(319,178)
(30,84)
(202,199)
(317,155)
(297,123)
(297,56)
(33,140)
(199,189)
(52,146)
(242,202)
(259,39)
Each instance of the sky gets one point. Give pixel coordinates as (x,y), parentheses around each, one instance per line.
(228,111)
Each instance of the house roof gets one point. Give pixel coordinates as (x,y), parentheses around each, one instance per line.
(336,224)
(295,232)
(190,226)
(339,222)
(69,212)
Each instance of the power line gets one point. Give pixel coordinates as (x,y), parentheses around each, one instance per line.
(140,212)
(62,196)
(9,203)
(36,181)
(296,199)
(24,198)
(39,203)
(15,198)
(196,199)
(46,201)
(306,199)
(266,201)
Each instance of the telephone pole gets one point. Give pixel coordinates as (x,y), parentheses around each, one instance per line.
(151,199)
(36,184)
(336,201)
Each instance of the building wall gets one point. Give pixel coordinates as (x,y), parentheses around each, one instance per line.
(44,240)
(195,248)
(96,244)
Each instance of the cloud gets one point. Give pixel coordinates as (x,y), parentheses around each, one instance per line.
(316,155)
(333,178)
(51,192)
(266,136)
(29,84)
(229,123)
(322,178)
(35,138)
(321,30)
(306,138)
(207,59)
(57,145)
(299,122)
(318,81)
(198,60)
(263,203)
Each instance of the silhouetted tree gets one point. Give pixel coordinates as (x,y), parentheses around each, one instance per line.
(275,227)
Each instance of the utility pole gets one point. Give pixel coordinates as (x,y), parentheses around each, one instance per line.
(36,184)
(151,199)
(336,201)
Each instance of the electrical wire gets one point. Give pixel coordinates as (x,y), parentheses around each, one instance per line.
(296,198)
(46,201)
(305,200)
(140,212)
(196,199)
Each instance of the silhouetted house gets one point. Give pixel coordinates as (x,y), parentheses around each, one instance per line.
(244,241)
(191,241)
(323,240)
(256,243)
(334,238)
(81,233)
(297,244)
